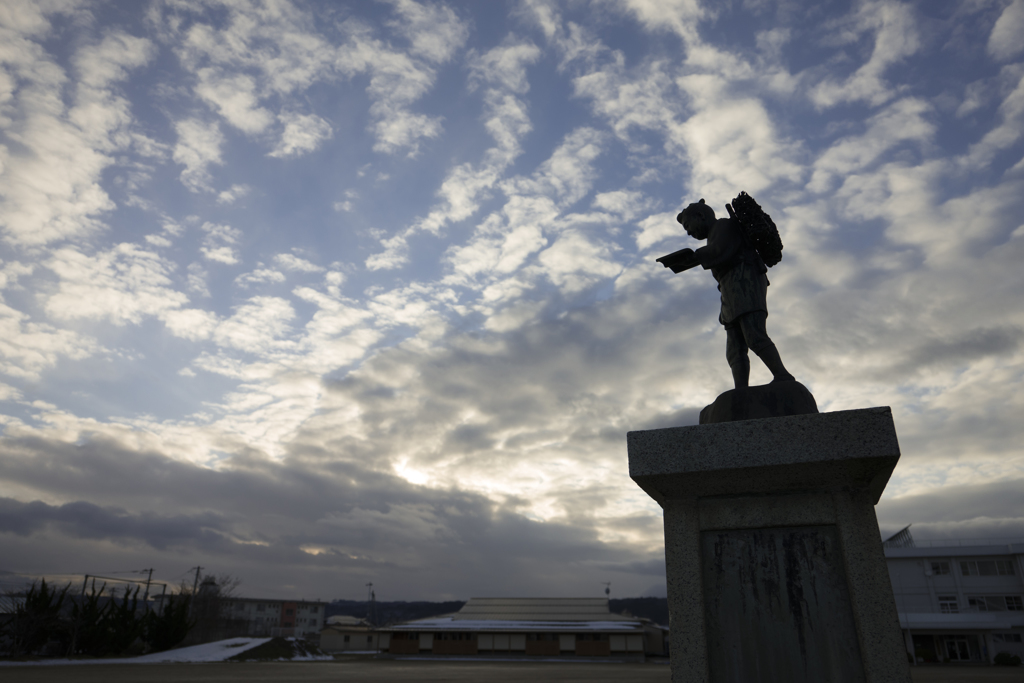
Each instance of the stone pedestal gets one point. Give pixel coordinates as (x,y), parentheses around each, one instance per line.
(774,561)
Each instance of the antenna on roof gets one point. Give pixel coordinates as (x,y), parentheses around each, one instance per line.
(900,539)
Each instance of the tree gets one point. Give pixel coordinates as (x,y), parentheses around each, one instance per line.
(38,620)
(168,628)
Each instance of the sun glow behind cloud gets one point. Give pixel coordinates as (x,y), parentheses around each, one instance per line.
(369,288)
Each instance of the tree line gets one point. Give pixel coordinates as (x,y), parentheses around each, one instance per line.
(49,621)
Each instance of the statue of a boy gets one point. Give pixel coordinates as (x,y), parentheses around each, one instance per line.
(742,280)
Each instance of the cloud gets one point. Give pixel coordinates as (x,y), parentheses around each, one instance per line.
(57,151)
(233,193)
(904,121)
(256,325)
(199,145)
(260,276)
(218,243)
(28,348)
(302,133)
(896,38)
(370,524)
(1004,41)
(502,73)
(293,262)
(122,285)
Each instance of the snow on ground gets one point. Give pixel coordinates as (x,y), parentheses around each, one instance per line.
(207,652)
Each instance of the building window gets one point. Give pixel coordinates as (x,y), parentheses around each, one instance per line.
(1006,638)
(948,604)
(369,639)
(289,612)
(996,603)
(346,638)
(987,568)
(260,607)
(314,609)
(940,568)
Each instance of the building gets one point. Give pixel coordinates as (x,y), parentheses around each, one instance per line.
(552,627)
(958,602)
(289,618)
(349,634)
(258,617)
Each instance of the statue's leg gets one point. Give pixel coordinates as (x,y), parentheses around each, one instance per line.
(736,354)
(754,331)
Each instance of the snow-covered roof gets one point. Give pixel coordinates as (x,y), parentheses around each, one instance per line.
(539,609)
(345,620)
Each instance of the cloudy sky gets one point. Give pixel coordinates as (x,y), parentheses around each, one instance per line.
(324,293)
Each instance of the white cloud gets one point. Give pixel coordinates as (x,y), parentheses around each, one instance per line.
(196,282)
(235,99)
(293,262)
(260,276)
(903,121)
(302,133)
(198,146)
(219,243)
(896,37)
(1004,43)
(574,262)
(398,79)
(123,286)
(732,143)
(27,349)
(233,193)
(50,178)
(257,326)
(502,70)
(1007,133)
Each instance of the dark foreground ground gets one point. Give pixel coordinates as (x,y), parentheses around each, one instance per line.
(401,671)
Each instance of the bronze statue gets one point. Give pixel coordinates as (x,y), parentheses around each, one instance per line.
(733,254)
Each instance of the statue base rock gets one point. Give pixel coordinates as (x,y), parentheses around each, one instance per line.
(777,399)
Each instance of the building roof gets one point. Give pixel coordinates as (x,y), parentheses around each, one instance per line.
(936,549)
(449,623)
(529,614)
(965,620)
(345,620)
(539,609)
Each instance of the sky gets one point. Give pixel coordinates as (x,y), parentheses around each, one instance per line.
(319,294)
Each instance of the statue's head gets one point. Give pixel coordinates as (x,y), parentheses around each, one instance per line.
(697,219)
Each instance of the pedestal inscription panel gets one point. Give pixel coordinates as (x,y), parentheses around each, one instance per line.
(777,606)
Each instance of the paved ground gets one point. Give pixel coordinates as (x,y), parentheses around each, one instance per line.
(401,672)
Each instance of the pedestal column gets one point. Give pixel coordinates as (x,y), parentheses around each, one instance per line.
(774,562)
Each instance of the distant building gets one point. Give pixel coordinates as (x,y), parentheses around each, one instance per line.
(296,618)
(260,617)
(349,634)
(958,603)
(552,627)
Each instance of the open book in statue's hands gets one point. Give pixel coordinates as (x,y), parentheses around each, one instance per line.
(681,260)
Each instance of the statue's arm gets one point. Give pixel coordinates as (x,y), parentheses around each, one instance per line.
(681,260)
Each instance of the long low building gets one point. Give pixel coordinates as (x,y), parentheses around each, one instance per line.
(553,627)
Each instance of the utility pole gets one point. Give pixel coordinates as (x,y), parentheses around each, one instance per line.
(195,584)
(145,598)
(369,599)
